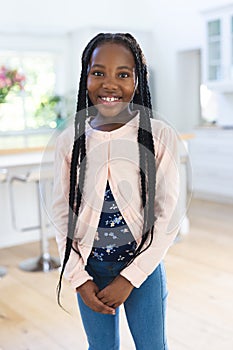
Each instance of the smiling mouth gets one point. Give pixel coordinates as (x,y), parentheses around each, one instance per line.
(109,100)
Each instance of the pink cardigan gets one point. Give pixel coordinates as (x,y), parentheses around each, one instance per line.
(114,156)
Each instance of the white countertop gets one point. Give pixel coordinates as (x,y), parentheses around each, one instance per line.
(24,159)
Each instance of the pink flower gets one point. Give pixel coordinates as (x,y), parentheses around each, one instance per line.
(3,70)
(19,77)
(2,83)
(9,78)
(2,75)
(8,82)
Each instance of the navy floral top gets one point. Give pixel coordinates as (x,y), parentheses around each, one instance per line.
(114,240)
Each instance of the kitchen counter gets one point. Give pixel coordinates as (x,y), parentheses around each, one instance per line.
(39,148)
(30,156)
(19,160)
(26,150)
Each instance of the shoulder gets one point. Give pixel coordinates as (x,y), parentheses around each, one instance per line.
(161,129)
(166,139)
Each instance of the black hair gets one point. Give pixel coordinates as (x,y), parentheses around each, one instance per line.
(142,100)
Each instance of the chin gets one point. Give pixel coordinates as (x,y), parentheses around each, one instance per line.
(111,112)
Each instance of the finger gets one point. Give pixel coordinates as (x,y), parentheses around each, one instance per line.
(107,301)
(116,305)
(101,294)
(110,303)
(102,308)
(113,304)
(96,305)
(104,300)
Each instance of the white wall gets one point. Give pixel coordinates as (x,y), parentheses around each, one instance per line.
(188,80)
(66,15)
(178,27)
(172,26)
(168,26)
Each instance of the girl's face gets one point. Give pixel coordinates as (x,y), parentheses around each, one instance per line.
(111,80)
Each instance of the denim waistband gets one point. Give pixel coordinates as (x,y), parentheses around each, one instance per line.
(103,272)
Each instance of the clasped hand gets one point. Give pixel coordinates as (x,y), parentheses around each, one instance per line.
(109,298)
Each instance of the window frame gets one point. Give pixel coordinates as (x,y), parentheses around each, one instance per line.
(56,45)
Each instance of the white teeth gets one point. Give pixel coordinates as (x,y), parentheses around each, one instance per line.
(110,99)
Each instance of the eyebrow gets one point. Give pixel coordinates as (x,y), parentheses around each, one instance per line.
(97,66)
(125,67)
(102,66)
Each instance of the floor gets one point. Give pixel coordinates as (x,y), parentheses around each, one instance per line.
(200,281)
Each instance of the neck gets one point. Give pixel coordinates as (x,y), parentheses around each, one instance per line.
(103,123)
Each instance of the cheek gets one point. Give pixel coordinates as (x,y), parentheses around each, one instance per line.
(131,89)
(89,84)
(92,83)
(91,90)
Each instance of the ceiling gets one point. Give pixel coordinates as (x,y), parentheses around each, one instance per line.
(62,16)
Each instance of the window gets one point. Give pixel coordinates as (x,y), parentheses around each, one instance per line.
(36,106)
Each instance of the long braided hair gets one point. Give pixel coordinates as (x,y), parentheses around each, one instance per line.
(142,102)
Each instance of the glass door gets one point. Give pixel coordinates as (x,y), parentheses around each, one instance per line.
(214,50)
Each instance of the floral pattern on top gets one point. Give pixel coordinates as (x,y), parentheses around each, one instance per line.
(114,240)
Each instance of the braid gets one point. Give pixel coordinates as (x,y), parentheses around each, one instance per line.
(145,141)
(78,157)
(146,151)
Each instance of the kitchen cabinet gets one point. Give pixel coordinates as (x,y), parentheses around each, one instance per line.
(218,49)
(211,154)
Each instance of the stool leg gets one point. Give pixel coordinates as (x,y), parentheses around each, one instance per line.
(2,271)
(44,262)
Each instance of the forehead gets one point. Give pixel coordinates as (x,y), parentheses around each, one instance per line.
(112,53)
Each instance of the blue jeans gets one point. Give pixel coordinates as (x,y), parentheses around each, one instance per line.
(145,311)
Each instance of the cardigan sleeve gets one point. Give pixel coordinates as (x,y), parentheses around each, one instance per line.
(75,271)
(166,208)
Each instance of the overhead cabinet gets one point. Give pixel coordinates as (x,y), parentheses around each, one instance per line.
(218,49)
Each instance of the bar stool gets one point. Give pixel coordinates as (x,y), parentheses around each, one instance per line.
(39,176)
(3,178)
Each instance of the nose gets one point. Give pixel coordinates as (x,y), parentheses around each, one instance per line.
(109,83)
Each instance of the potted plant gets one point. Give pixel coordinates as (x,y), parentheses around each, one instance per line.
(10,80)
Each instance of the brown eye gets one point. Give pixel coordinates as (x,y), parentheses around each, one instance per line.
(97,74)
(124,75)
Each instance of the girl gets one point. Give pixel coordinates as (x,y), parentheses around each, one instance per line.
(112,217)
